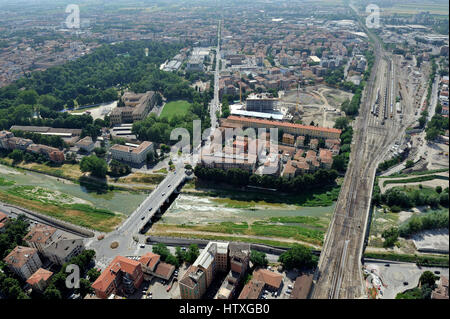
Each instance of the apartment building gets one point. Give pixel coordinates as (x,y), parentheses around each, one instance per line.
(122,275)
(263,102)
(193,283)
(23,261)
(51,243)
(39,280)
(130,154)
(290,128)
(10,142)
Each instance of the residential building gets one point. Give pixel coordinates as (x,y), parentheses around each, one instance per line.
(252,290)
(130,154)
(291,128)
(86,144)
(193,283)
(23,261)
(122,276)
(263,102)
(39,280)
(56,245)
(10,142)
(288,139)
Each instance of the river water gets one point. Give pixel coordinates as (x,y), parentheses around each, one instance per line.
(116,201)
(189,208)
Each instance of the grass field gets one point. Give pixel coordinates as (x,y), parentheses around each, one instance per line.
(306,229)
(233,198)
(78,214)
(173,108)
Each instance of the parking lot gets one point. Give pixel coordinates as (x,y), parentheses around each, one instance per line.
(393,277)
(287,284)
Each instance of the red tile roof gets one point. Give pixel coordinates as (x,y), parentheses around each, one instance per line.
(40,274)
(283,124)
(270,278)
(109,274)
(149,259)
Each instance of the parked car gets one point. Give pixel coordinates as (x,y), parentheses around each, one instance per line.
(142,246)
(437,272)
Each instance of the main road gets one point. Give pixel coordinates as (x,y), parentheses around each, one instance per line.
(339,273)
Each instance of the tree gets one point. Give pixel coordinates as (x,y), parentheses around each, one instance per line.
(85,287)
(258,258)
(96,166)
(192,253)
(390,236)
(119,169)
(298,257)
(409,163)
(16,155)
(93,274)
(161,250)
(180,254)
(341,123)
(51,292)
(428,278)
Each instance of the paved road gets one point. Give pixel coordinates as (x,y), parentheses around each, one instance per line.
(394,276)
(126,234)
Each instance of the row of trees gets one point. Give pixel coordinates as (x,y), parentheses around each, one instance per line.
(54,141)
(190,255)
(397,198)
(340,161)
(298,257)
(239,177)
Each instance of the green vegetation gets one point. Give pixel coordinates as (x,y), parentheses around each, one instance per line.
(258,259)
(427,283)
(421,260)
(390,237)
(59,206)
(5,182)
(54,141)
(94,165)
(414,179)
(408,197)
(117,169)
(301,231)
(175,108)
(58,289)
(298,257)
(234,198)
(340,162)
(238,177)
(389,163)
(417,223)
(13,236)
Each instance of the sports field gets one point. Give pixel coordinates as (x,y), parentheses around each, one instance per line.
(179,108)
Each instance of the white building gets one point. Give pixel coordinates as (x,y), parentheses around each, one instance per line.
(130,154)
